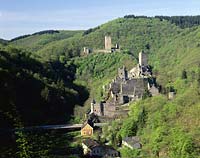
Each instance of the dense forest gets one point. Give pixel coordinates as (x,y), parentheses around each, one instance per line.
(40,93)
(45,80)
(181,21)
(36,33)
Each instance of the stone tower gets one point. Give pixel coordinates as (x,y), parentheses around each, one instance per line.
(108,43)
(143,59)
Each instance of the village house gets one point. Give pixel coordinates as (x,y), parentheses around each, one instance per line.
(87,129)
(132,142)
(94,149)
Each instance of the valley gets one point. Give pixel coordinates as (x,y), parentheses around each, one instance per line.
(49,78)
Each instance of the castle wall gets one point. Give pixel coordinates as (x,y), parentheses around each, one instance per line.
(122,73)
(134,72)
(154,91)
(98,109)
(109,109)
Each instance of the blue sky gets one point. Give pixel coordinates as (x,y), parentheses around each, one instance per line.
(19,17)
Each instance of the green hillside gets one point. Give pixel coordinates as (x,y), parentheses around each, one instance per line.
(54,75)
(179,53)
(132,35)
(35,92)
(3,42)
(38,40)
(171,50)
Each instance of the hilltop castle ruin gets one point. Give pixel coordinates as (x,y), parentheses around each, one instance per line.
(108,47)
(127,86)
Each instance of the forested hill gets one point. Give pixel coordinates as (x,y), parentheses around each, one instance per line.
(34,92)
(171,49)
(181,21)
(36,41)
(132,35)
(46,77)
(3,42)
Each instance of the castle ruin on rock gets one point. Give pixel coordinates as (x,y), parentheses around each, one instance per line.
(127,86)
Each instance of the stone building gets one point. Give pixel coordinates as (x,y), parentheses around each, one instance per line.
(154,91)
(93,148)
(103,108)
(109,109)
(135,72)
(122,73)
(86,51)
(142,69)
(128,90)
(96,108)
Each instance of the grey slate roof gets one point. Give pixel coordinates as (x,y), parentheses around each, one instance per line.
(115,87)
(133,141)
(134,86)
(90,143)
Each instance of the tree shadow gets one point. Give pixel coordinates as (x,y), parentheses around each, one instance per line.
(37,93)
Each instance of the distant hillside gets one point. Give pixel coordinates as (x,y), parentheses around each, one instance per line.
(181,21)
(170,48)
(36,33)
(178,54)
(133,33)
(47,81)
(2,41)
(38,40)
